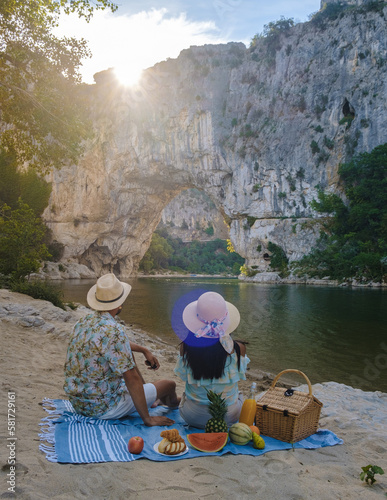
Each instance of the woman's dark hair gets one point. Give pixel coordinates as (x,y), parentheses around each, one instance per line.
(208,362)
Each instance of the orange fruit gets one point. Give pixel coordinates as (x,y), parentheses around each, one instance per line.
(255,429)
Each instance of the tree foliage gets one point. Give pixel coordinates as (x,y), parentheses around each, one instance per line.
(278,258)
(196,257)
(25,184)
(42,114)
(354,243)
(272,32)
(21,241)
(328,12)
(156,257)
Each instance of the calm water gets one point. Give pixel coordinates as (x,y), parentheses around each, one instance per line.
(329,333)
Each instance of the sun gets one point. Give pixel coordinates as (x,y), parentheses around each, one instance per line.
(127,74)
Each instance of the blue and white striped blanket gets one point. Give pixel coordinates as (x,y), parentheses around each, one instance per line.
(67,437)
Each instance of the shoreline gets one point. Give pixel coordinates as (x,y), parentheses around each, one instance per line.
(34,339)
(57,271)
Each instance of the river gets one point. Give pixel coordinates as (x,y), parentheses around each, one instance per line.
(329,333)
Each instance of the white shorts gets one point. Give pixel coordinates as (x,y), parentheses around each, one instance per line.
(126,406)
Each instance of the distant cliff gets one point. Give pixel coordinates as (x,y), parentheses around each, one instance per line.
(193,216)
(257,130)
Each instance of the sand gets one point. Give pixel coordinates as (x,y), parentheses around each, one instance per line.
(34,340)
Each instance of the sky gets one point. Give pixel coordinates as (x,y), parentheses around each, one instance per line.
(143,32)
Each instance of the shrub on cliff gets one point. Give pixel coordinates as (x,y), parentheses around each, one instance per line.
(354,243)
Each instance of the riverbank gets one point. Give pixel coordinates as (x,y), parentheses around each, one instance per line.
(34,341)
(275,278)
(74,270)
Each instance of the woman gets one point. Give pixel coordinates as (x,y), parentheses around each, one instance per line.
(209,359)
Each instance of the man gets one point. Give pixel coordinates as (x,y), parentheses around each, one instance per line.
(101,377)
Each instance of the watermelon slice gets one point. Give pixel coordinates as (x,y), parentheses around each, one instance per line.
(208,442)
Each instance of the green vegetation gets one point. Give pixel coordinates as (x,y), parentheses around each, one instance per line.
(24,184)
(333,11)
(271,38)
(209,230)
(314,147)
(329,143)
(248,271)
(157,255)
(278,259)
(40,95)
(41,290)
(347,120)
(21,241)
(251,220)
(368,474)
(213,257)
(272,31)
(329,12)
(354,241)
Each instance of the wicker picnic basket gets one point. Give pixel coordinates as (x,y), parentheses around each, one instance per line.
(287,414)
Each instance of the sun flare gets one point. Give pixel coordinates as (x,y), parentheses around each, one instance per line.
(127,74)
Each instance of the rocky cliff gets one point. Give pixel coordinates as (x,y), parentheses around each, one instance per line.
(257,130)
(193,216)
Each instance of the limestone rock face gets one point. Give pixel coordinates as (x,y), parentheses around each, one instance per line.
(257,130)
(192,216)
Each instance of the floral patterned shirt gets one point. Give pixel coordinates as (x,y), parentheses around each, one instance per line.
(98,354)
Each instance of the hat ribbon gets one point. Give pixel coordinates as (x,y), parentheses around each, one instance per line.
(109,301)
(214,329)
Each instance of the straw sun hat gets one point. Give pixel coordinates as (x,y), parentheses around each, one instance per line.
(211,306)
(211,317)
(108,293)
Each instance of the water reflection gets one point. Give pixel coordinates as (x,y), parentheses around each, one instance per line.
(329,333)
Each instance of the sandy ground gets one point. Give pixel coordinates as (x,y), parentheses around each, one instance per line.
(34,340)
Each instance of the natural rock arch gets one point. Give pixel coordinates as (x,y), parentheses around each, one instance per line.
(105,210)
(258,136)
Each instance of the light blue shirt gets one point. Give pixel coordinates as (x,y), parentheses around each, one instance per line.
(227,384)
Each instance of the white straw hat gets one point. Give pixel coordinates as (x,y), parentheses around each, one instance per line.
(108,293)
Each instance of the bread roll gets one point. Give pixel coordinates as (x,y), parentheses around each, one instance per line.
(163,444)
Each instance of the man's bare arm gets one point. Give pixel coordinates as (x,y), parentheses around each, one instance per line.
(153,362)
(135,387)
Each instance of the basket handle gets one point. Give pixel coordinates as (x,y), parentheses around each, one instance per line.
(293,371)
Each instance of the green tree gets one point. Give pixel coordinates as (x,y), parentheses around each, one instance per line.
(354,241)
(42,112)
(21,241)
(210,257)
(278,259)
(25,184)
(271,34)
(157,254)
(209,230)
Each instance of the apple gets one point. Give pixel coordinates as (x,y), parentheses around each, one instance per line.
(135,445)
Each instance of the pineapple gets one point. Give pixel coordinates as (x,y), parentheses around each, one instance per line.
(217,409)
